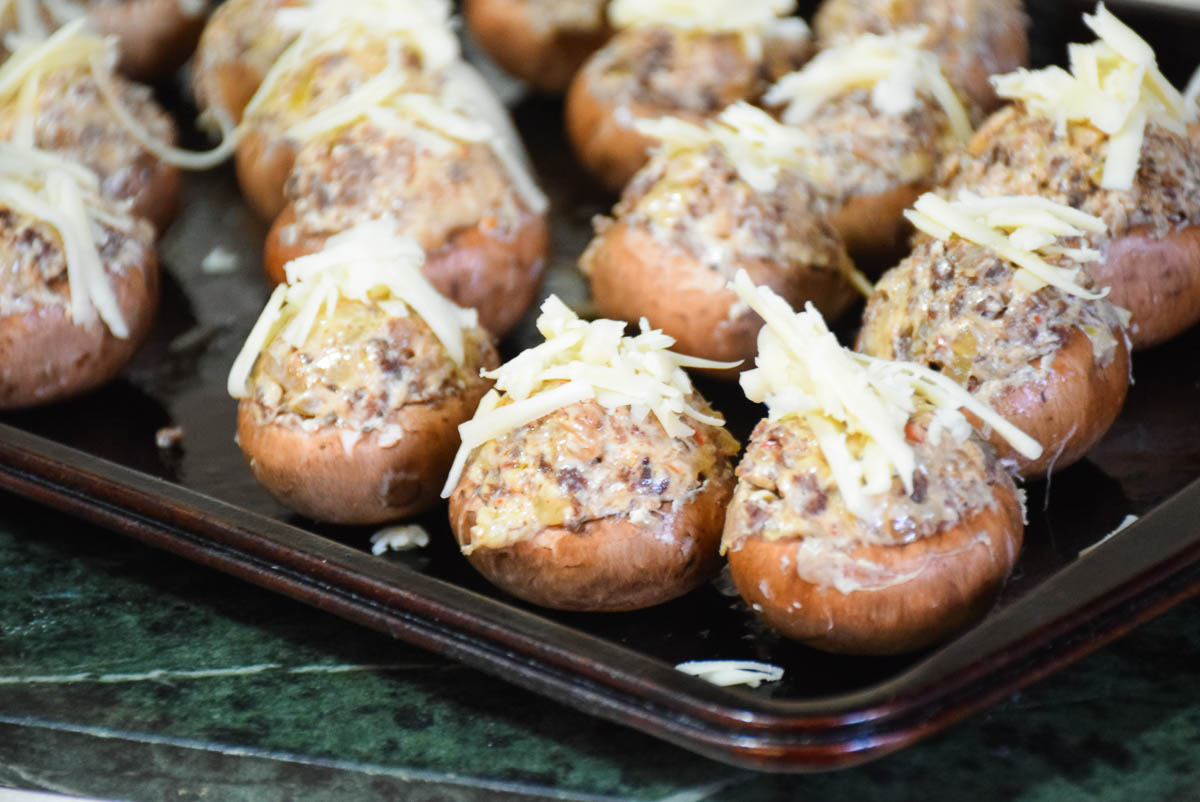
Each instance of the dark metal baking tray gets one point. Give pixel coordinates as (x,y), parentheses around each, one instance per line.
(96,457)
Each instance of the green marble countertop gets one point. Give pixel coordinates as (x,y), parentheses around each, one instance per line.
(128,673)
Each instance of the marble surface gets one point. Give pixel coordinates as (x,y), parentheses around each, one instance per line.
(127,673)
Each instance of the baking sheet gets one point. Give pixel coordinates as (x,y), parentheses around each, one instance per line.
(97,456)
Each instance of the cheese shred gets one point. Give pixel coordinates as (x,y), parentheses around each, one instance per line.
(583,360)
(1019,228)
(66,196)
(857,406)
(75,46)
(749,19)
(367,263)
(1114,84)
(758,146)
(893,67)
(714,15)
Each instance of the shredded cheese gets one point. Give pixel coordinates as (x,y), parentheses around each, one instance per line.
(758,146)
(583,360)
(750,19)
(402,537)
(732,672)
(74,46)
(323,26)
(1191,94)
(219,260)
(856,406)
(1019,228)
(1114,84)
(66,196)
(70,46)
(436,122)
(367,263)
(713,15)
(1126,522)
(330,26)
(894,67)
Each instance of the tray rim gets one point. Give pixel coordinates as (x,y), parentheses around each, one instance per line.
(1040,632)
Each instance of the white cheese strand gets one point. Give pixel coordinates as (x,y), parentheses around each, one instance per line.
(72,45)
(467,111)
(75,46)
(80,248)
(711,15)
(268,324)
(60,11)
(750,20)
(24,134)
(29,19)
(1191,95)
(1005,226)
(856,406)
(758,146)
(368,263)
(581,360)
(64,195)
(401,537)
(893,66)
(325,25)
(1114,84)
(732,672)
(102,70)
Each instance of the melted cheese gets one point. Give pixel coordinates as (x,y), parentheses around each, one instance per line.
(65,196)
(368,264)
(1019,228)
(894,67)
(856,406)
(578,361)
(1113,84)
(758,146)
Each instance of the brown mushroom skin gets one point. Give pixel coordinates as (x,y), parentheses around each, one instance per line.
(958,576)
(634,275)
(237,47)
(45,356)
(873,227)
(496,274)
(1157,278)
(263,163)
(312,474)
(154,37)
(548,59)
(610,150)
(612,564)
(159,194)
(1070,410)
